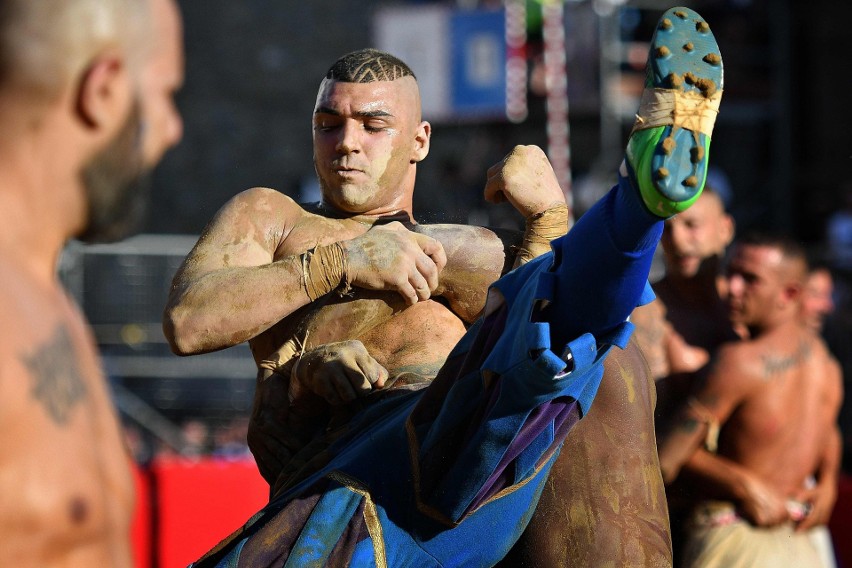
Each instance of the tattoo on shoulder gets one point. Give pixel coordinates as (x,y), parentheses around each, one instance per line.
(58,382)
(774,365)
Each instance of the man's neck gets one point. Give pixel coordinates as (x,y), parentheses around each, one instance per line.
(402,216)
(784,324)
(41,210)
(702,287)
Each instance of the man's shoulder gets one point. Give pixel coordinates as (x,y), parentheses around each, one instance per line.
(262,198)
(738,362)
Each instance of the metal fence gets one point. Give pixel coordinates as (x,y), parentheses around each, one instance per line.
(122,288)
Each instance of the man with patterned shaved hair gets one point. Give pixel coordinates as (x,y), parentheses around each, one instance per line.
(76,85)
(351,309)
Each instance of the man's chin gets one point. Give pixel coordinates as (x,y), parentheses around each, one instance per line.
(686,271)
(736,317)
(123,217)
(348,200)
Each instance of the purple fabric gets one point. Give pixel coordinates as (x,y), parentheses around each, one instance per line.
(283,530)
(564,412)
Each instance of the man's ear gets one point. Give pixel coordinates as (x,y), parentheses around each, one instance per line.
(102,90)
(729,228)
(421,142)
(792,291)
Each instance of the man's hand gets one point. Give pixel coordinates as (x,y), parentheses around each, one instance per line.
(761,505)
(820,500)
(525,179)
(338,372)
(390,257)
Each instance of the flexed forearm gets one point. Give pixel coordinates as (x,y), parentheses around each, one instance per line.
(229,306)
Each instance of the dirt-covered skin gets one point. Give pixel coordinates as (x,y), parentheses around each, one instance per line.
(475,257)
(406,293)
(604,503)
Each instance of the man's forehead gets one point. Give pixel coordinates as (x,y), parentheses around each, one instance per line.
(762,255)
(709,204)
(368,97)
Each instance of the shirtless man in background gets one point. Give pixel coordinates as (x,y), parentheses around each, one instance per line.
(249,278)
(755,432)
(679,331)
(76,84)
(688,320)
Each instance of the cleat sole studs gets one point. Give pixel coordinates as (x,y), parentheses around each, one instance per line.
(712,59)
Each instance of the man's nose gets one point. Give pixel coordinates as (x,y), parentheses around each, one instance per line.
(349,140)
(735,285)
(676,235)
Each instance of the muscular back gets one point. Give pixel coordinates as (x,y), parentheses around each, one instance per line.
(67,494)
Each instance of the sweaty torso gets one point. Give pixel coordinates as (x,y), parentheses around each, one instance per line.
(67,492)
(627,520)
(777,432)
(406,338)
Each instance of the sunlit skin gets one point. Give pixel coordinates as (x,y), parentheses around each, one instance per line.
(681,329)
(244,282)
(693,236)
(65,476)
(367,139)
(162,77)
(757,277)
(776,396)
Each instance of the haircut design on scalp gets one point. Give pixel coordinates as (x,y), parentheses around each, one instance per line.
(367,66)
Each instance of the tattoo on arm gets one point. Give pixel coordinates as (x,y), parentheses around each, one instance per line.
(688,425)
(58,383)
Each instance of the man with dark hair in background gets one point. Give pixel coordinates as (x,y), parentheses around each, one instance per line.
(759,433)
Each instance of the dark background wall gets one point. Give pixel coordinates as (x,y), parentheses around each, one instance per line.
(253,68)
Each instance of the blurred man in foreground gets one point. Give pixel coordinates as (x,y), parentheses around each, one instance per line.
(77,83)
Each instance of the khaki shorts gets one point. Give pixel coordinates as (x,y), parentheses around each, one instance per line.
(718,538)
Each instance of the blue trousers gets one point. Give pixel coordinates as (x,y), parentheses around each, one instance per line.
(450,475)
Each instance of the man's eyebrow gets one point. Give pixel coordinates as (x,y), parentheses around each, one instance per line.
(358,114)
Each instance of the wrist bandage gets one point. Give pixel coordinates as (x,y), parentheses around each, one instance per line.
(542,228)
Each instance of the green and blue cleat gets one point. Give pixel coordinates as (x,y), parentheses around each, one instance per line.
(668,148)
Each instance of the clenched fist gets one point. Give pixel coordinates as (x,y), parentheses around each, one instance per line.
(525,179)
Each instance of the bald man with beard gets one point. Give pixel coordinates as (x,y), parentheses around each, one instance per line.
(76,86)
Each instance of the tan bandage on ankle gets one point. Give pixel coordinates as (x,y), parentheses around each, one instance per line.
(324,269)
(542,228)
(690,110)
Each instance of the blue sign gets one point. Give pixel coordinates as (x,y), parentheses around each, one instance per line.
(478,63)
